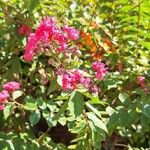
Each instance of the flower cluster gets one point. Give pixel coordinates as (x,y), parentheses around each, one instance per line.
(100,68)
(5,93)
(50,34)
(72,79)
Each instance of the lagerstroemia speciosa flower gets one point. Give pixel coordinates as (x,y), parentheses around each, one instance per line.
(71,79)
(72,33)
(11,86)
(59,39)
(4,95)
(8,88)
(49,33)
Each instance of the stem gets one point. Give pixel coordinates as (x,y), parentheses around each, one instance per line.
(39,140)
(20,105)
(121,145)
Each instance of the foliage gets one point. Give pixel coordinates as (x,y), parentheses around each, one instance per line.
(115,35)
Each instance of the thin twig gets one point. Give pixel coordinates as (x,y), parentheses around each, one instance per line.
(42,136)
(121,145)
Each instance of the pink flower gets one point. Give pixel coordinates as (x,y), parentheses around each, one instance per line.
(100,69)
(86,82)
(72,33)
(30,47)
(43,33)
(141,81)
(62,47)
(11,86)
(48,33)
(68,82)
(71,80)
(2,107)
(4,95)
(25,30)
(46,29)
(60,37)
(77,74)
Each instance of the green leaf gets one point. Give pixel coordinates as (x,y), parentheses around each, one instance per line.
(34,117)
(94,100)
(62,120)
(53,86)
(8,109)
(41,103)
(61,111)
(33,4)
(6,145)
(146,110)
(17,94)
(124,118)
(123,97)
(30,103)
(76,104)
(145,121)
(52,106)
(109,110)
(113,122)
(96,121)
(50,121)
(145,44)
(15,65)
(93,109)
(110,83)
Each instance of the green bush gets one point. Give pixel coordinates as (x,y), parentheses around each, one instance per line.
(87,92)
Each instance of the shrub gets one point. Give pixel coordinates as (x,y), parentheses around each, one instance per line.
(74,74)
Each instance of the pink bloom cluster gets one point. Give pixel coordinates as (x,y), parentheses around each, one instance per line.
(25,30)
(49,33)
(5,93)
(72,79)
(100,68)
(11,86)
(72,33)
